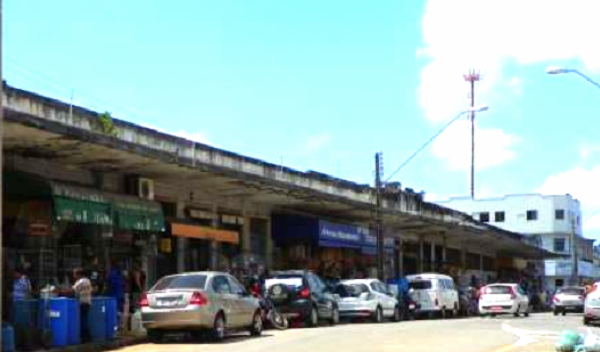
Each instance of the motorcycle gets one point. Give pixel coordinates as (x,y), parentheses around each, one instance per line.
(270,313)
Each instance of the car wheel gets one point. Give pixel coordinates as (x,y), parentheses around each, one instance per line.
(527,311)
(257,325)
(335,316)
(586,321)
(378,315)
(564,313)
(313,318)
(218,331)
(397,314)
(555,312)
(155,336)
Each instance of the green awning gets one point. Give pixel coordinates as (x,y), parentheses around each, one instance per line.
(81,205)
(84,212)
(138,214)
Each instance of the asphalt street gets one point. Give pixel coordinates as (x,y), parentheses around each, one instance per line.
(539,332)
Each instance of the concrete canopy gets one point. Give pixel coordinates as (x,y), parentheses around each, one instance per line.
(46,129)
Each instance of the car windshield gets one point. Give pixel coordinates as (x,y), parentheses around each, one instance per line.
(571,291)
(351,290)
(498,290)
(294,280)
(181,282)
(421,285)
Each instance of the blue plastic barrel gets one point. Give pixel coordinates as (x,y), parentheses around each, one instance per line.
(74,323)
(97,319)
(25,313)
(8,338)
(54,315)
(111,317)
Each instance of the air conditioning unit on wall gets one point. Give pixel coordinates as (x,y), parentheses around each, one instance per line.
(145,188)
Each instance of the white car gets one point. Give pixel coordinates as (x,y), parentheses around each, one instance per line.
(433,294)
(503,299)
(591,310)
(367,298)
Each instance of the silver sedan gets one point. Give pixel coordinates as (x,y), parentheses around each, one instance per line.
(367,298)
(200,302)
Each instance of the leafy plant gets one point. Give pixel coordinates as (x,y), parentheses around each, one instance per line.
(107,125)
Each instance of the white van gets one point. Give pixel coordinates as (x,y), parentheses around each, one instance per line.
(433,294)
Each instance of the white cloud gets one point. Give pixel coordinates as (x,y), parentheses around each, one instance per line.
(582,184)
(485,35)
(492,146)
(316,142)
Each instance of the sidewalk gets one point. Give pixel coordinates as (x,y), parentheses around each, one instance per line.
(120,341)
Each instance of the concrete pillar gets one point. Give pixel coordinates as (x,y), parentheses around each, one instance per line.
(270,246)
(246,235)
(481,268)
(215,247)
(181,242)
(400,258)
(445,244)
(421,255)
(433,261)
(463,259)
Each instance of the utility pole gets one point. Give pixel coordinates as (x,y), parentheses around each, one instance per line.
(378,225)
(472,76)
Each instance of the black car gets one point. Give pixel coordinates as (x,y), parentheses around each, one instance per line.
(302,295)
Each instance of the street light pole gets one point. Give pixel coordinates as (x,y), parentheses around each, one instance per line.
(561,70)
(472,77)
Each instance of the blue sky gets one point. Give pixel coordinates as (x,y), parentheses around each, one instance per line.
(323,85)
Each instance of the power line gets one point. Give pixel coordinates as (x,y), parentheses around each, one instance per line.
(424,145)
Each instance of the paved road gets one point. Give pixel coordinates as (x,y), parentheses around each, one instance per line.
(501,334)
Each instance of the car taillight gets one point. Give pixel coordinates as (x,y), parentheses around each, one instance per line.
(305,293)
(198,299)
(144,300)
(483,291)
(556,299)
(513,294)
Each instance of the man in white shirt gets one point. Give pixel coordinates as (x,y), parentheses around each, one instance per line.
(83,292)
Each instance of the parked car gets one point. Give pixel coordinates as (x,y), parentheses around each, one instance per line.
(591,310)
(503,299)
(433,294)
(367,298)
(199,302)
(302,295)
(568,299)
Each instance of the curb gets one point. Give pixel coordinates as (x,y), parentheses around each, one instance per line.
(102,346)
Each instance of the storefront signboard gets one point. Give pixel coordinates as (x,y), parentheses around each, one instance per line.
(339,235)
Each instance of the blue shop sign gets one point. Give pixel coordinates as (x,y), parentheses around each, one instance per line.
(339,235)
(369,246)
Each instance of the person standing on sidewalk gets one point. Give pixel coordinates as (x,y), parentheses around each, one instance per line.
(82,290)
(138,285)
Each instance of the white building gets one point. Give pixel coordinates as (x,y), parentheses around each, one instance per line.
(548,220)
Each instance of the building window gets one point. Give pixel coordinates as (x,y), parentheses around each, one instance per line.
(484,217)
(532,215)
(499,216)
(559,244)
(559,282)
(559,214)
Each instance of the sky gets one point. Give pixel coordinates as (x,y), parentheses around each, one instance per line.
(324,85)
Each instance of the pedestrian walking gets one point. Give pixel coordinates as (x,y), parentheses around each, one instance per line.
(138,285)
(82,290)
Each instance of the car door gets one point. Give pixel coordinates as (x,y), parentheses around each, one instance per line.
(318,290)
(523,298)
(225,300)
(451,294)
(387,303)
(243,302)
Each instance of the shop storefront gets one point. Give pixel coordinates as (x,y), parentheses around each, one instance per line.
(52,228)
(334,250)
